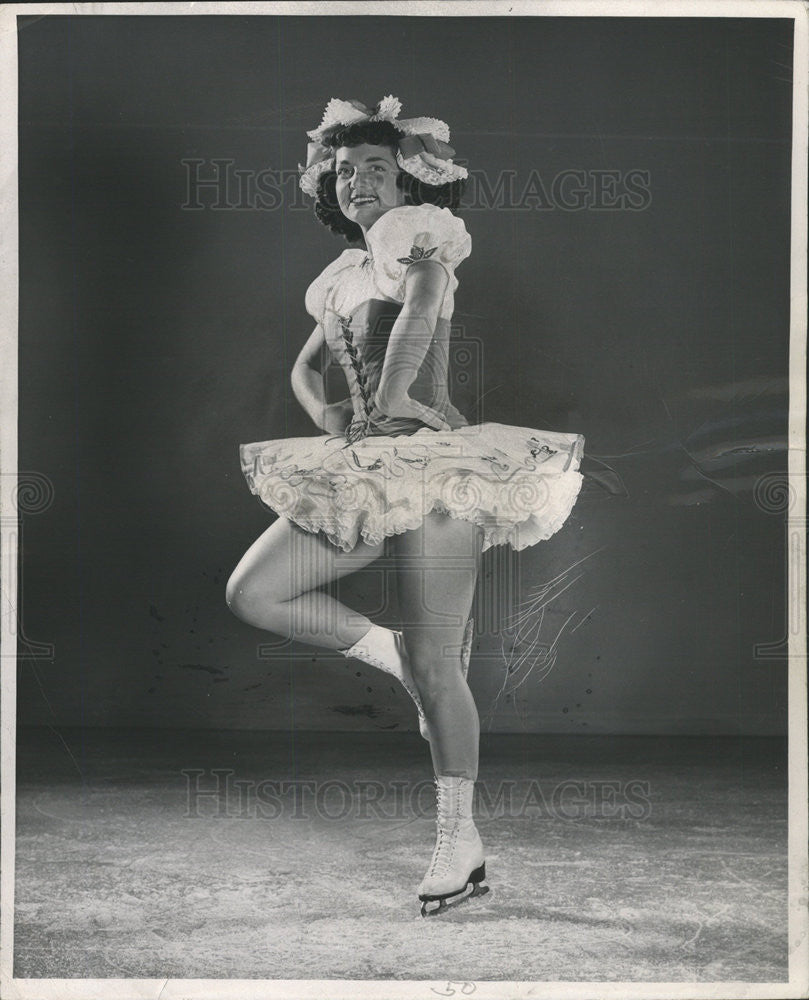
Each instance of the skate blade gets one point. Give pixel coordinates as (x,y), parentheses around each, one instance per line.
(440,906)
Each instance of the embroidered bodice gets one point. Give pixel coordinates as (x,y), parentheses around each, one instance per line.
(358,296)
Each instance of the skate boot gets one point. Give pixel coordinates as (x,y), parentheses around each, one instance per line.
(458,859)
(385,649)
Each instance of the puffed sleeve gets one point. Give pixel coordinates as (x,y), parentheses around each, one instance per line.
(317,293)
(410,233)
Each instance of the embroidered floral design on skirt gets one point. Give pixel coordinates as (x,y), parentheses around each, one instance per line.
(519,484)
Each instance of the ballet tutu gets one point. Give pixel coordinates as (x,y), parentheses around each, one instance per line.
(519,484)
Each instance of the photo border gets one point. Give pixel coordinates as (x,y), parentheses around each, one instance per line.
(191,989)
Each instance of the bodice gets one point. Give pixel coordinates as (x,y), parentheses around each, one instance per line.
(357,339)
(358,296)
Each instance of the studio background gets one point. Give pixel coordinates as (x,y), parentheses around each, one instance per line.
(155,337)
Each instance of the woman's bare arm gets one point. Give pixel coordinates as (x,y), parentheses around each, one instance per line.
(309,389)
(410,339)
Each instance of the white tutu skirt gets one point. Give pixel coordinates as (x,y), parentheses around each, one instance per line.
(519,484)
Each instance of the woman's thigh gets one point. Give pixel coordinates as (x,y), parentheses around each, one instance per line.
(285,561)
(436,568)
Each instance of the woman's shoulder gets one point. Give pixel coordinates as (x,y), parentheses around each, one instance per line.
(348,258)
(441,222)
(317,291)
(424,211)
(412,233)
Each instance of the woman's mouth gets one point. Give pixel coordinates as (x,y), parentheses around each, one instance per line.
(363,200)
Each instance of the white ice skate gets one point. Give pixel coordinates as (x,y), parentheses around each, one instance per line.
(458,860)
(385,649)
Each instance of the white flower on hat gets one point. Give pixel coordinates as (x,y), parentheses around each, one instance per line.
(388,108)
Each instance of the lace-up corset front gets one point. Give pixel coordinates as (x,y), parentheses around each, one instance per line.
(359,295)
(358,342)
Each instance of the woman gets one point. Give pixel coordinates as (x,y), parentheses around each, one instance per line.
(398,460)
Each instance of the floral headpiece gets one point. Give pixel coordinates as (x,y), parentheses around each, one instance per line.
(424,149)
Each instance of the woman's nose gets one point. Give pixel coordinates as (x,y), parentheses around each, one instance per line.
(360,179)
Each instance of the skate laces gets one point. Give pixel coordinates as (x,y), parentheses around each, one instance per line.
(447,828)
(444,849)
(401,649)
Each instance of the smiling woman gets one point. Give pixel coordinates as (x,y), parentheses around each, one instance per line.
(366,183)
(398,462)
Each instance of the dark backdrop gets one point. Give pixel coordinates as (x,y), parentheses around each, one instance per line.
(155,337)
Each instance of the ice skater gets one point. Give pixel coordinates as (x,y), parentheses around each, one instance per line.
(397,461)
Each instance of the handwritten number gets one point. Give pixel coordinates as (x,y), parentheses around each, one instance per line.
(466,989)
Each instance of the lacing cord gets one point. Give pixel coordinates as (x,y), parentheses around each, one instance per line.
(358,428)
(442,856)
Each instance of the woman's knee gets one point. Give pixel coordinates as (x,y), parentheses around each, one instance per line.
(432,661)
(235,592)
(244,594)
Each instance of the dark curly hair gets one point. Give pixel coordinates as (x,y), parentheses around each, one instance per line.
(416,192)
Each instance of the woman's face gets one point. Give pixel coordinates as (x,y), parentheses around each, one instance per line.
(366,182)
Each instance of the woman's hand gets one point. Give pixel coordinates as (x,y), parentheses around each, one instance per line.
(407,407)
(337,416)
(456,418)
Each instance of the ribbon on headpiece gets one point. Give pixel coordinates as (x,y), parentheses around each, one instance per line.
(423,143)
(315,153)
(319,159)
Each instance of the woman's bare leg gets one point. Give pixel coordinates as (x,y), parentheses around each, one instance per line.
(274,586)
(437,567)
